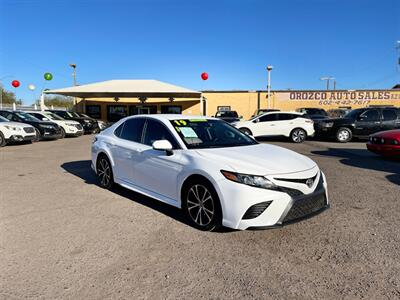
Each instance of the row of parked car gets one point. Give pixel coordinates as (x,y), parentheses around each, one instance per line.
(379,125)
(34,125)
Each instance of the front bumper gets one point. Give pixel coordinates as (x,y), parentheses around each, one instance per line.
(249,207)
(321,131)
(20,138)
(386,150)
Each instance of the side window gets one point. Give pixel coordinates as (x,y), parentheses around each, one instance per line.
(132,130)
(39,116)
(389,114)
(266,118)
(370,115)
(285,117)
(156,131)
(118,131)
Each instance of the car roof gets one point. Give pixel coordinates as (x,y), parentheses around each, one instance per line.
(170,117)
(282,112)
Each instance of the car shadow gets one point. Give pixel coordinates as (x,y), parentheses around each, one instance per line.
(83,170)
(362,158)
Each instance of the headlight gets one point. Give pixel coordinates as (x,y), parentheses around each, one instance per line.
(12,128)
(252,180)
(86,121)
(395,142)
(46,126)
(327,124)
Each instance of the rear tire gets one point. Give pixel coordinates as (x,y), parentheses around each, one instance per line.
(246,131)
(200,203)
(298,135)
(344,135)
(2,140)
(104,172)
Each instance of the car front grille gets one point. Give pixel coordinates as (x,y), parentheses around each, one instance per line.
(256,210)
(78,126)
(29,129)
(307,206)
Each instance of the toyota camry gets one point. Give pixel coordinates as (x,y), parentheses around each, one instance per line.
(216,174)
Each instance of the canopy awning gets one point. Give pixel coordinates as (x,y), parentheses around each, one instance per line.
(127,88)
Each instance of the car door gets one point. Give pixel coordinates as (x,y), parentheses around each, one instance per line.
(390,119)
(286,123)
(154,170)
(265,125)
(126,147)
(368,122)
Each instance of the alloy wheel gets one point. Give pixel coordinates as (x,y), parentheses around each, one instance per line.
(104,172)
(200,205)
(298,136)
(343,135)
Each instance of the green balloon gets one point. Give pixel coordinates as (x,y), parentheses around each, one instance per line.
(48,76)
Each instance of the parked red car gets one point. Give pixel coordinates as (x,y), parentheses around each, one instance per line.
(385,143)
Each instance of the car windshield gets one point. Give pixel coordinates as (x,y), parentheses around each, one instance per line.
(27,117)
(2,119)
(208,133)
(52,116)
(225,114)
(73,114)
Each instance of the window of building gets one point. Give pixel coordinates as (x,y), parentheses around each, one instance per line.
(93,111)
(223,108)
(142,110)
(171,109)
(116,112)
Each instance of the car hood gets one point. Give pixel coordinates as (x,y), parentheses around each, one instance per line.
(16,124)
(261,159)
(395,133)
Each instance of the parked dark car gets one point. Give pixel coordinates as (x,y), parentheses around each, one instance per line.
(102,124)
(313,113)
(359,123)
(89,125)
(229,116)
(44,130)
(262,111)
(337,112)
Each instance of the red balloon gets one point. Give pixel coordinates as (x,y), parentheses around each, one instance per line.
(204,76)
(15,83)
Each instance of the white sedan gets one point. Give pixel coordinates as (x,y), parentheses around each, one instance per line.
(293,125)
(15,132)
(215,173)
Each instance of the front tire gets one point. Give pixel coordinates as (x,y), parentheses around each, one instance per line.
(104,172)
(298,135)
(201,205)
(2,140)
(37,138)
(62,133)
(344,135)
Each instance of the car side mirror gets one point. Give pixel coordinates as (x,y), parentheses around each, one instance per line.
(241,117)
(163,145)
(44,119)
(256,120)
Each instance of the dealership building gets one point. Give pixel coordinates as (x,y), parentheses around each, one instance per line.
(113,99)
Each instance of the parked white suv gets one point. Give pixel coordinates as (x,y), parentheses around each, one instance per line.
(68,127)
(279,123)
(15,132)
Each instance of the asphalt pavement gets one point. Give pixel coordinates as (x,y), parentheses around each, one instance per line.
(64,237)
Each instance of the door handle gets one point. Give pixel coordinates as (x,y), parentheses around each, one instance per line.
(272,125)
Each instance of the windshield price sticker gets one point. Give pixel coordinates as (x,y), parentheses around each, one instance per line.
(188,132)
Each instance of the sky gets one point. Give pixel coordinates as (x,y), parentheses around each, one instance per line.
(176,40)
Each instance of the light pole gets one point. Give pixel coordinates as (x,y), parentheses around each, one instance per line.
(328,79)
(73,74)
(269,69)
